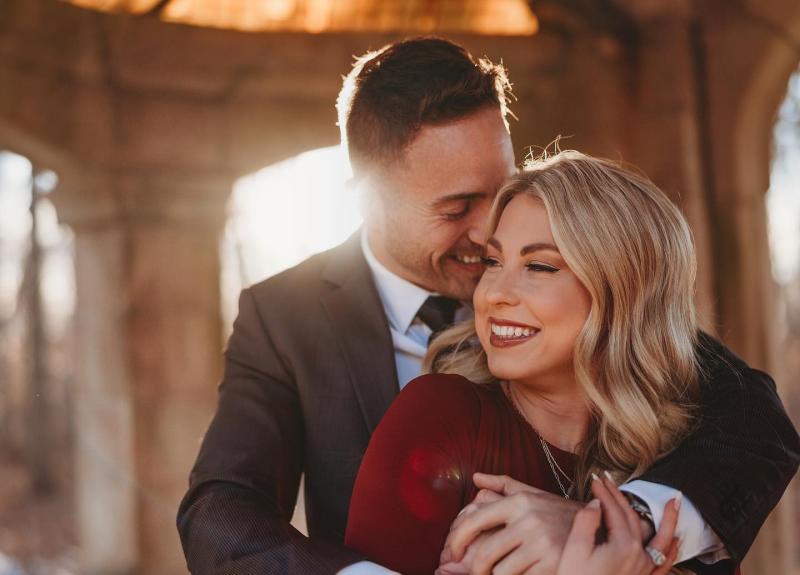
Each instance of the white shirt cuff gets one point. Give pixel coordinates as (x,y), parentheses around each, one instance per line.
(366,568)
(698,538)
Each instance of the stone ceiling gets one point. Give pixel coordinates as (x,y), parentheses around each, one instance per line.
(495,17)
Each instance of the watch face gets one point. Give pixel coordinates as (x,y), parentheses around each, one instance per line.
(640,507)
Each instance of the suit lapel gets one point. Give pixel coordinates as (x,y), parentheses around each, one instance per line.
(356,313)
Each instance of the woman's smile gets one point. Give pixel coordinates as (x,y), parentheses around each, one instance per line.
(507,333)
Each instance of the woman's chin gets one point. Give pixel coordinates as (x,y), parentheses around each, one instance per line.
(504,372)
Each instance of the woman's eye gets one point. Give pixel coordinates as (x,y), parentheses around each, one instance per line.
(538,267)
(489,262)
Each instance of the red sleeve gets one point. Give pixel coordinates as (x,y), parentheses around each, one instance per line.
(413,479)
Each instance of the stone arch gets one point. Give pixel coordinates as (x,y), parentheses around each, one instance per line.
(751,52)
(152,199)
(749,66)
(43,155)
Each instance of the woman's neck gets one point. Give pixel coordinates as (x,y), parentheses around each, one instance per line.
(560,417)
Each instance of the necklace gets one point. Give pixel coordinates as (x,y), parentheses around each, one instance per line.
(554,466)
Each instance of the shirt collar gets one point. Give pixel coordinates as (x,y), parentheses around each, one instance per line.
(401,299)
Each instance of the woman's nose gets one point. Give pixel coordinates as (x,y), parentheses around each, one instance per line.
(502,289)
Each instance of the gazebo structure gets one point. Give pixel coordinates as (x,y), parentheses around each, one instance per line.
(150,110)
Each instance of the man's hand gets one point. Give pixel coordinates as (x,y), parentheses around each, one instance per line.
(522,530)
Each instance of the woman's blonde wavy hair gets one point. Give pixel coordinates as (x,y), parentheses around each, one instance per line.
(635,356)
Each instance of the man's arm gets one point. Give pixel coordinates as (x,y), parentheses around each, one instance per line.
(698,538)
(733,467)
(737,462)
(235,517)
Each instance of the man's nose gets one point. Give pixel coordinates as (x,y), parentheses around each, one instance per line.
(477,226)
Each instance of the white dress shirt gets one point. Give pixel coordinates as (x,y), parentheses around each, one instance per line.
(401,301)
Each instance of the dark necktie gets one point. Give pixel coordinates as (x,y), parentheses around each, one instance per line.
(438,313)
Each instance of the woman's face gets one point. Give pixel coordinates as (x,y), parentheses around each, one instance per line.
(529,306)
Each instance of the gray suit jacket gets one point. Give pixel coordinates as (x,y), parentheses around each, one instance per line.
(309,372)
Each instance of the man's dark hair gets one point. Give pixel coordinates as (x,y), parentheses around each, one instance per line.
(391,93)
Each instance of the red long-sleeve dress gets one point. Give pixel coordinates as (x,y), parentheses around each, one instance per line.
(417,472)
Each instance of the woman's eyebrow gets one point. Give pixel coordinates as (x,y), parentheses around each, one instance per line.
(536,247)
(495,243)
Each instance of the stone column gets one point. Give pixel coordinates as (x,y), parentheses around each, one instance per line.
(692,75)
(669,132)
(149,342)
(750,53)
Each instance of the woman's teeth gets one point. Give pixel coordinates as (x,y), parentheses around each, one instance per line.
(469,259)
(511,331)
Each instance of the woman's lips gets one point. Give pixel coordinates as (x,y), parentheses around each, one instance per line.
(505,333)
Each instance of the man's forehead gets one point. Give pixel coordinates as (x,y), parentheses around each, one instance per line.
(480,128)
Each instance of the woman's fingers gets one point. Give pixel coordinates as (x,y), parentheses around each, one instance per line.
(634,523)
(501,484)
(672,555)
(666,531)
(469,525)
(487,496)
(491,549)
(483,496)
(582,536)
(664,539)
(452,569)
(613,512)
(490,512)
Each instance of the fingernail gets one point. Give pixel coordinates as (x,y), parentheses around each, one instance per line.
(594,477)
(678,501)
(608,476)
(594,504)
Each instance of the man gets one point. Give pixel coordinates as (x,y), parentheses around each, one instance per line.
(318,352)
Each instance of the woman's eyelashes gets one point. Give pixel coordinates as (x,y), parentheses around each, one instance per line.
(540,267)
(492,262)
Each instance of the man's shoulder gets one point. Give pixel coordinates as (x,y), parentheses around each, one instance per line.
(310,274)
(721,368)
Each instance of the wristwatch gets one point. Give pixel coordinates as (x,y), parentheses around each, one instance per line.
(643,511)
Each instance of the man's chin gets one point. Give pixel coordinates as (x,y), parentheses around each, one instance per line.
(460,289)
(455,280)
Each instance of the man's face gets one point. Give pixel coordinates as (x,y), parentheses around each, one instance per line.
(426,225)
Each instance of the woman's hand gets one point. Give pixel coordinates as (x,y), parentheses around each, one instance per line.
(463,567)
(622,553)
(509,528)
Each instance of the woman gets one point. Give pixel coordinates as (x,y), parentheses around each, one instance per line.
(580,359)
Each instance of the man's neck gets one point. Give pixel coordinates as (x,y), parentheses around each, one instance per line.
(376,249)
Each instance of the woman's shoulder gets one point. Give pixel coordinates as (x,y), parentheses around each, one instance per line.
(440,384)
(445,390)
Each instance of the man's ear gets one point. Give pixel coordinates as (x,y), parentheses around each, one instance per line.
(368,196)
